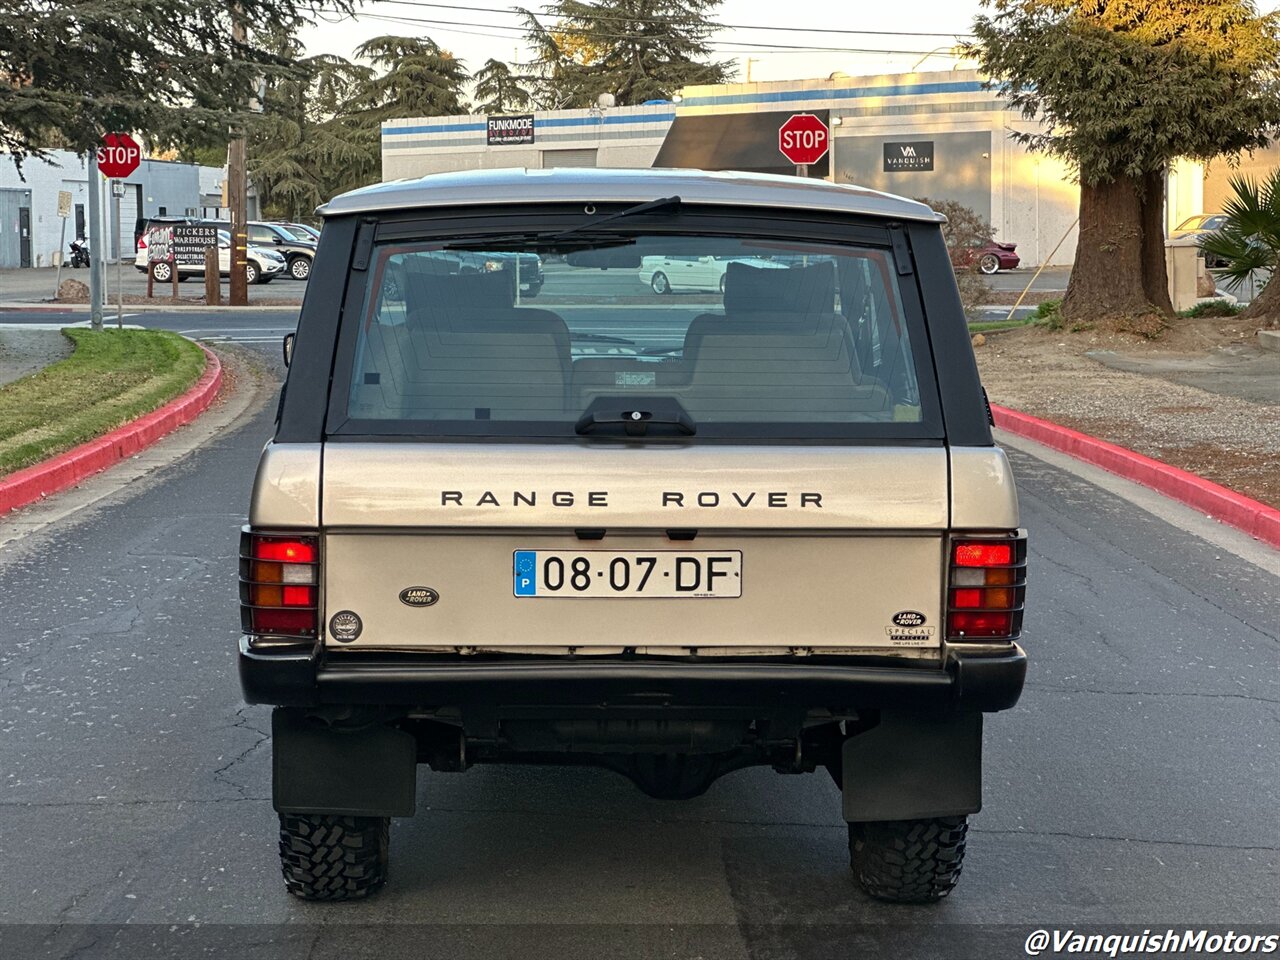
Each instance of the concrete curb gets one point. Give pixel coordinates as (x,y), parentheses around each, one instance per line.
(1250,516)
(67,469)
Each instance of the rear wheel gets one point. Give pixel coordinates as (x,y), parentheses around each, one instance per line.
(722,276)
(161,272)
(989,263)
(660,284)
(327,857)
(299,268)
(908,861)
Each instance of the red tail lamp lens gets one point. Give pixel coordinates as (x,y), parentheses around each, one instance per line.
(284,551)
(979,554)
(985,624)
(284,621)
(282,586)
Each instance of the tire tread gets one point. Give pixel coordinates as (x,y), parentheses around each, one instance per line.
(908,861)
(326,857)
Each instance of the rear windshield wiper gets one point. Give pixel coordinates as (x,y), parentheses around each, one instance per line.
(649,206)
(636,415)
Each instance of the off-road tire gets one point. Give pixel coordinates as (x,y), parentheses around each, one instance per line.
(326,857)
(908,861)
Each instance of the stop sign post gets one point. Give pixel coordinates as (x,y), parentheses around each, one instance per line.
(118,157)
(803,139)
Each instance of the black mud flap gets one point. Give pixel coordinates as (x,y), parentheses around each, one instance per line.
(912,767)
(368,771)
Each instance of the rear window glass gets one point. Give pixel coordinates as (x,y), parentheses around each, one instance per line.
(691,335)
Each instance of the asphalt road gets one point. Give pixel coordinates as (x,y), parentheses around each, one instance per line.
(1136,782)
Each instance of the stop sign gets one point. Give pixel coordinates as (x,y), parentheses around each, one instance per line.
(119,155)
(803,139)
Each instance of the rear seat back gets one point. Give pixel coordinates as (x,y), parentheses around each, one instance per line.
(777,366)
(461,358)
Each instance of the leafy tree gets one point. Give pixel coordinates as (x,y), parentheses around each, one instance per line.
(637,50)
(500,89)
(74,69)
(1249,241)
(1122,88)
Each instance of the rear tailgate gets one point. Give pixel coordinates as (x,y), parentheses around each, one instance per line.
(819,548)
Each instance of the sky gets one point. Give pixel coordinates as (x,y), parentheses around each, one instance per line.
(853,53)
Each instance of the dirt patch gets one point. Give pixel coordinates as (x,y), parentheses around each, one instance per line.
(1223,436)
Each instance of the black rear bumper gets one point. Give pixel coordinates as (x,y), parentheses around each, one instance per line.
(984,682)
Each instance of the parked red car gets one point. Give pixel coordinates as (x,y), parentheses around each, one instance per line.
(990,257)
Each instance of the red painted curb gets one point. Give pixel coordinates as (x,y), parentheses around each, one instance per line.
(1254,518)
(67,469)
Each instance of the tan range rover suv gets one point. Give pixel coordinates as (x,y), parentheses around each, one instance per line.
(674,536)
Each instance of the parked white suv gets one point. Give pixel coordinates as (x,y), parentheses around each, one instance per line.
(263,265)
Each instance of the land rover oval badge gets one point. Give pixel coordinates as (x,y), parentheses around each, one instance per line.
(909,618)
(418,596)
(345,626)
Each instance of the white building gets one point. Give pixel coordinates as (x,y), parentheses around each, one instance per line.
(939,135)
(32,233)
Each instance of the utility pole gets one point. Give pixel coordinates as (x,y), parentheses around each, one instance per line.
(236,188)
(97,236)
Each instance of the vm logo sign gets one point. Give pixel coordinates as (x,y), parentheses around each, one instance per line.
(915,156)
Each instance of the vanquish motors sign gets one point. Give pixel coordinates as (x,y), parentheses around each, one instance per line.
(118,156)
(803,139)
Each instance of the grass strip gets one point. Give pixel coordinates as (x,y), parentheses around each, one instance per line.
(113,376)
(994,326)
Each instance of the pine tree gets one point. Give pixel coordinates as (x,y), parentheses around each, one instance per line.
(637,50)
(74,69)
(1121,90)
(418,78)
(500,89)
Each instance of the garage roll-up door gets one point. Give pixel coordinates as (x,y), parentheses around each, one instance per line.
(569,158)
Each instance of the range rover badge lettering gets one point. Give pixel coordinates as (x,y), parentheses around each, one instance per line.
(345,626)
(418,596)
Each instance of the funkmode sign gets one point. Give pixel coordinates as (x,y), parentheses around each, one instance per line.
(507,130)
(902,157)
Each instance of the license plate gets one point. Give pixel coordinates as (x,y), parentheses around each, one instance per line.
(596,574)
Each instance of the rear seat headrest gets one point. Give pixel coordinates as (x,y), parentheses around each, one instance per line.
(793,290)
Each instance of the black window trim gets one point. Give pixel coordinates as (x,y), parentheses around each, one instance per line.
(708,221)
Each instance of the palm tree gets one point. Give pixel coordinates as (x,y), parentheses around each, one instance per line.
(1249,241)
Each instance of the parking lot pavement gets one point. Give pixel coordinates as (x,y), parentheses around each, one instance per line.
(35,285)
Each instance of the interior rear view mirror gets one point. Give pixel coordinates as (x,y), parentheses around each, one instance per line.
(619,257)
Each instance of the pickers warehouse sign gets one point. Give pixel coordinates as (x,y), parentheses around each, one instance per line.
(509,130)
(908,157)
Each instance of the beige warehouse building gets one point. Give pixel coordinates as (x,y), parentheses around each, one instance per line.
(941,135)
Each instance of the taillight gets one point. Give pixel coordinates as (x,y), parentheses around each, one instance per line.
(279,584)
(986,588)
